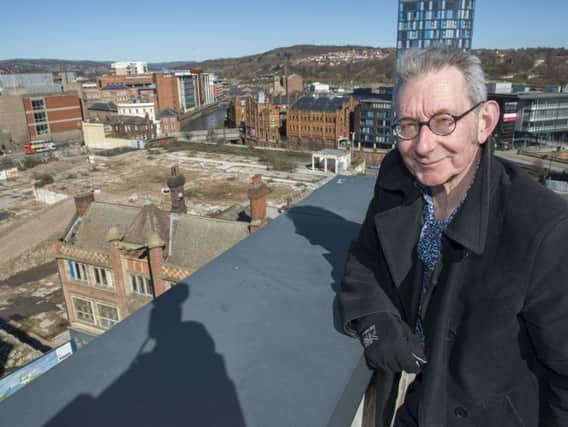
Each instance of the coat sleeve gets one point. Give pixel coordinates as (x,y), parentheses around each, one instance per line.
(362,290)
(546,316)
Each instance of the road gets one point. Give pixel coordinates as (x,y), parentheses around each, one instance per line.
(44,226)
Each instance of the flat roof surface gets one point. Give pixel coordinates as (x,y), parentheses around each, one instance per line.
(251,339)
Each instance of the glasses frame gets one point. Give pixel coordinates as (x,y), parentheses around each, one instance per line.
(427,123)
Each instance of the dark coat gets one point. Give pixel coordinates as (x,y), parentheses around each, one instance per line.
(496,323)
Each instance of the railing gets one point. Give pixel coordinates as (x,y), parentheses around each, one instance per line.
(251,339)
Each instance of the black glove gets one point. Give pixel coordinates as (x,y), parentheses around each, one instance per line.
(389,343)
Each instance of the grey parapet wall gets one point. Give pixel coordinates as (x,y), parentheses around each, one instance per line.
(251,339)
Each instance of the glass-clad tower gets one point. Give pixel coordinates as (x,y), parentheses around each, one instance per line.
(423,23)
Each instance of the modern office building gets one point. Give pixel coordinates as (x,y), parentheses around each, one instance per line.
(372,120)
(424,23)
(531,118)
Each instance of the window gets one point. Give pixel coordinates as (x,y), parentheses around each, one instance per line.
(37,104)
(83,310)
(42,129)
(108,315)
(39,117)
(77,271)
(141,284)
(103,278)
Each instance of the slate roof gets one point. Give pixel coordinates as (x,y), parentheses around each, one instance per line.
(149,219)
(103,106)
(167,112)
(308,103)
(197,240)
(113,86)
(99,218)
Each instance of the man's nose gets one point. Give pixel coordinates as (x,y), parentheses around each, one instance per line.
(425,141)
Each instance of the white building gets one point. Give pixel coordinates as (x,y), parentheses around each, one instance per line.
(318,87)
(129,68)
(139,108)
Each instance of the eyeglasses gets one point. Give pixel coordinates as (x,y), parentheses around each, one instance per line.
(441,124)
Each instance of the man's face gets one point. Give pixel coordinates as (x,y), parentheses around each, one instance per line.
(438,160)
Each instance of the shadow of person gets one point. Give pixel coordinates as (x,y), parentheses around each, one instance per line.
(334,234)
(181,381)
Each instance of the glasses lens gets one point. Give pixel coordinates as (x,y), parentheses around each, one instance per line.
(442,124)
(406,128)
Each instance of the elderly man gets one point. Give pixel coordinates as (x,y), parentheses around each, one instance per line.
(458,274)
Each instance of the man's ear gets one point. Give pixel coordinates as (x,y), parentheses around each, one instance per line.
(487,120)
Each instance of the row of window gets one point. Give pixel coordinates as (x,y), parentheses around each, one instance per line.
(101,277)
(434,25)
(37,104)
(435,4)
(80,272)
(95,312)
(326,119)
(436,34)
(312,129)
(440,14)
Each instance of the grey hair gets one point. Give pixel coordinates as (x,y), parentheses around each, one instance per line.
(416,62)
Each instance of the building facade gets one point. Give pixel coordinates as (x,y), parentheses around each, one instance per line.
(423,23)
(55,116)
(372,122)
(316,123)
(113,259)
(188,91)
(529,118)
(166,91)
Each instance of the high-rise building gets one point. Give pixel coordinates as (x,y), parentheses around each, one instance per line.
(424,23)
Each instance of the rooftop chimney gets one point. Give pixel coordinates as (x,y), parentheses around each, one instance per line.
(83,201)
(257,196)
(176,183)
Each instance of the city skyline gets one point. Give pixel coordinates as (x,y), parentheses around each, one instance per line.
(196,32)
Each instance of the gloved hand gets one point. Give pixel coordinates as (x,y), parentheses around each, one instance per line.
(389,343)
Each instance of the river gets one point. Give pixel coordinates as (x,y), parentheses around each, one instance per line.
(213,120)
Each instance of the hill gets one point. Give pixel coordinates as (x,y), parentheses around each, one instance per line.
(339,65)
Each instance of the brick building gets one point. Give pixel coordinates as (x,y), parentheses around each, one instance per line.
(101,111)
(55,116)
(169,122)
(166,91)
(113,259)
(262,121)
(236,112)
(316,123)
(136,81)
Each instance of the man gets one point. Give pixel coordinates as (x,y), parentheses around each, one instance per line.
(458,274)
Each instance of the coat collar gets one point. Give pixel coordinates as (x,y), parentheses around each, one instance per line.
(469,227)
(398,227)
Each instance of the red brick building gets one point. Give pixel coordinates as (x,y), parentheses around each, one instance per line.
(113,259)
(137,81)
(316,123)
(166,91)
(169,122)
(56,116)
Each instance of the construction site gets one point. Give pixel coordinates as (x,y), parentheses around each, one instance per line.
(37,205)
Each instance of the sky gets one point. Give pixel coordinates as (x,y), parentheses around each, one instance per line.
(183,30)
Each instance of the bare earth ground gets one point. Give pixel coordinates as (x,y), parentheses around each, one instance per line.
(31,300)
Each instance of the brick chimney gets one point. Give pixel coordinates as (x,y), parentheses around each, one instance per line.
(257,196)
(156,259)
(83,201)
(176,184)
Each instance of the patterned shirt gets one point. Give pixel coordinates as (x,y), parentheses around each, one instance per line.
(430,246)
